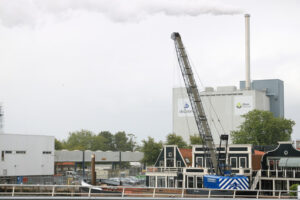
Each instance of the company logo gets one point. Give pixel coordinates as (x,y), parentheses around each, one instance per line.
(184,108)
(235,185)
(211,180)
(243,105)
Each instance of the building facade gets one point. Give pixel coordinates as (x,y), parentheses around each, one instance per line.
(223,107)
(176,168)
(275,170)
(26,155)
(274,90)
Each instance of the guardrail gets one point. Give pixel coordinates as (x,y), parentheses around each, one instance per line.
(15,190)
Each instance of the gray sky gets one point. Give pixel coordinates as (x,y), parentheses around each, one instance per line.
(67,65)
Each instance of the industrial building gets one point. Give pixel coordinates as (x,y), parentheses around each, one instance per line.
(26,155)
(224,106)
(105,160)
(34,155)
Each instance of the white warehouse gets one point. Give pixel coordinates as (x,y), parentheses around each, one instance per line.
(223,107)
(26,155)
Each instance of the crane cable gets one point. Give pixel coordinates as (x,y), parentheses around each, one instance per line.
(175,69)
(209,99)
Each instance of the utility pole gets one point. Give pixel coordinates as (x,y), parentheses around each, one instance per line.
(93,170)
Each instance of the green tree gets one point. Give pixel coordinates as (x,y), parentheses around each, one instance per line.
(99,143)
(80,140)
(124,143)
(173,139)
(262,128)
(195,139)
(58,145)
(151,150)
(106,141)
(132,141)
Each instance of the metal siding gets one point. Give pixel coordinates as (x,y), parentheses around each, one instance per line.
(100,156)
(33,162)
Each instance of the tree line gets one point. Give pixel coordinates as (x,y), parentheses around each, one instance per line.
(120,141)
(104,141)
(258,128)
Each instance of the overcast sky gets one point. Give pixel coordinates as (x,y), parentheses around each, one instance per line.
(67,65)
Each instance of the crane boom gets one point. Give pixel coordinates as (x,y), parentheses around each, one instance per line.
(196,103)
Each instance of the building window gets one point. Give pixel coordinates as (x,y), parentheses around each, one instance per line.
(2,155)
(8,152)
(238,149)
(190,181)
(199,162)
(46,152)
(152,181)
(20,152)
(199,182)
(208,162)
(178,164)
(170,163)
(161,181)
(243,162)
(171,182)
(161,163)
(233,162)
(273,164)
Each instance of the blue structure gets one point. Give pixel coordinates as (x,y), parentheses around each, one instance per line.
(226,182)
(274,90)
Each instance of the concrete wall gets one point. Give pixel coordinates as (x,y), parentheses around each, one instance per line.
(24,155)
(226,104)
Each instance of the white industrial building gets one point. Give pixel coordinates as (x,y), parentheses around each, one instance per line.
(26,155)
(224,108)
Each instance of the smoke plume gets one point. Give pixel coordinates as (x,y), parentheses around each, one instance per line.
(32,12)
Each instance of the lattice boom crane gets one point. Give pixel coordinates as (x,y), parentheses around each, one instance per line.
(196,103)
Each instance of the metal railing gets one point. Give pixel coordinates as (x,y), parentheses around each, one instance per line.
(281,173)
(14,190)
(164,169)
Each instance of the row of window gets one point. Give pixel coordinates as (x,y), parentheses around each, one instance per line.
(23,152)
(233,162)
(223,149)
(17,152)
(170,163)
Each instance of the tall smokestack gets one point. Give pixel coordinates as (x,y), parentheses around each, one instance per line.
(247,51)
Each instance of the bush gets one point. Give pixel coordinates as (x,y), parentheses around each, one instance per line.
(294,187)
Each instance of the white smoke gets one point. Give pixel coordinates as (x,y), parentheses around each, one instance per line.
(31,12)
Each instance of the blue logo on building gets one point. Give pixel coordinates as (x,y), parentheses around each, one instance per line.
(186,106)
